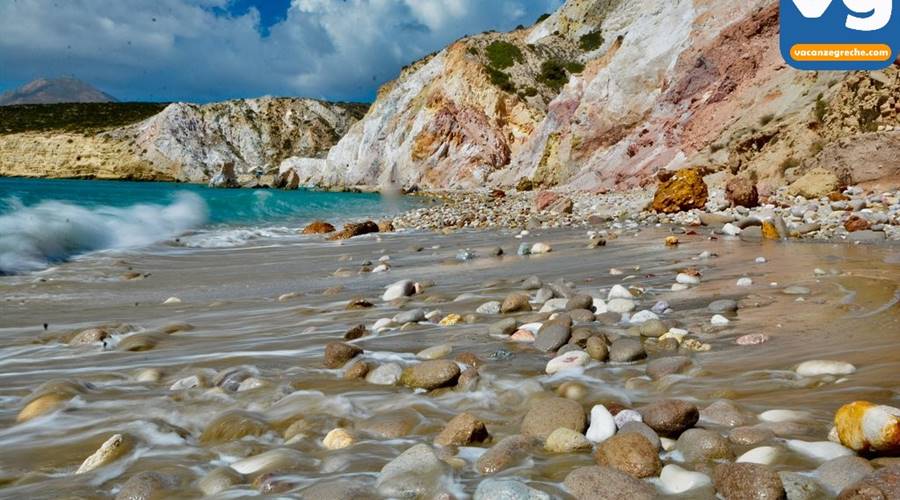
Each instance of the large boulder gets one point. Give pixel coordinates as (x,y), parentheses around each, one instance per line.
(684,190)
(816,183)
(226,178)
(287,180)
(356,229)
(318,227)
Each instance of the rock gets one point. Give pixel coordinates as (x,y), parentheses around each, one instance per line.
(866,427)
(411,316)
(603,425)
(750,436)
(606,483)
(817,368)
(225,178)
(218,480)
(386,226)
(752,339)
(232,426)
(172,301)
(672,241)
(508,452)
(724,413)
(338,490)
(619,292)
(687,279)
(856,223)
(841,472)
(674,480)
(462,430)
(670,417)
(503,327)
(540,248)
(652,327)
(620,306)
(358,331)
(685,190)
(779,415)
(548,414)
(352,230)
(416,473)
(770,231)
(821,451)
(659,368)
(89,336)
(641,317)
(430,374)
(318,227)
(630,453)
(147,485)
(507,489)
(567,361)
(114,448)
(801,487)
(816,183)
(701,445)
(404,288)
(492,307)
(450,320)
(719,320)
(393,425)
(866,236)
(597,349)
(338,439)
(524,184)
(580,302)
(338,353)
(565,440)
(740,191)
(435,352)
(552,335)
(386,374)
(515,302)
(544,199)
(354,371)
(723,306)
(748,481)
(626,350)
(42,405)
(882,484)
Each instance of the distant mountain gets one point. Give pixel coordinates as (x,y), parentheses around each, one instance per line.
(44,91)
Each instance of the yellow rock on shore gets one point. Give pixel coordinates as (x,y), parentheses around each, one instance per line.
(867,427)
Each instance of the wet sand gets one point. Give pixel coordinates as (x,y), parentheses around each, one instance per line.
(230,299)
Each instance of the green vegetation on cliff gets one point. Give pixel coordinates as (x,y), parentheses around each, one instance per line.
(74,117)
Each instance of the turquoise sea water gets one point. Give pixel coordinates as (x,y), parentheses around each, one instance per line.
(43,222)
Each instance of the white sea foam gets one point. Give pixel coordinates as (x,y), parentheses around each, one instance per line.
(31,237)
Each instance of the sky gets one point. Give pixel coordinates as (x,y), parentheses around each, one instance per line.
(211,50)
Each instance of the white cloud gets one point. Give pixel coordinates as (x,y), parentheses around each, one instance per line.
(184,50)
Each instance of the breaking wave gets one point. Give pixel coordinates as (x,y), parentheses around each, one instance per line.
(34,237)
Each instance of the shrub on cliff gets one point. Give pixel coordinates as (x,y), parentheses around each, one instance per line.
(553,74)
(591,41)
(502,55)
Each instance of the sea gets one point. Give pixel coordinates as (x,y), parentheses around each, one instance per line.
(45,222)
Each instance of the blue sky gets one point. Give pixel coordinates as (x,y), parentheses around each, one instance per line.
(209,50)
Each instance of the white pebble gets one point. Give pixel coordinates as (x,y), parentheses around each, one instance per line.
(619,292)
(678,287)
(820,367)
(745,282)
(687,279)
(764,455)
(719,320)
(761,260)
(540,247)
(626,416)
(667,443)
(783,416)
(819,450)
(676,480)
(603,425)
(172,300)
(731,230)
(643,317)
(599,306)
(572,360)
(382,325)
(620,305)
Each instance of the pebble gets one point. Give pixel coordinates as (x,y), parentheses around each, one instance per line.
(719,320)
(731,230)
(744,282)
(507,489)
(508,452)
(801,487)
(865,426)
(619,292)
(338,439)
(400,289)
(643,317)
(411,316)
(701,445)
(172,300)
(462,430)
(839,473)
(620,305)
(752,339)
(881,484)
(675,480)
(597,349)
(552,335)
(670,417)
(338,353)
(218,480)
(606,483)
(386,374)
(492,307)
(761,260)
(796,290)
(540,248)
(435,352)
(603,425)
(416,473)
(817,368)
(821,451)
(548,414)
(112,449)
(625,417)
(626,350)
(661,367)
(572,360)
(748,481)
(765,455)
(515,302)
(272,460)
(631,453)
(565,440)
(687,279)
(783,416)
(382,325)
(451,320)
(430,375)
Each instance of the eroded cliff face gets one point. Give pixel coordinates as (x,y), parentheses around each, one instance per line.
(665,84)
(186,142)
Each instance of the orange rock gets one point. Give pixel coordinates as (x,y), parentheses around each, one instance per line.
(856,223)
(318,227)
(42,405)
(386,226)
(684,190)
(867,427)
(672,241)
(769,231)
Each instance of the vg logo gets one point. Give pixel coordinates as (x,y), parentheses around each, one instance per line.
(839,34)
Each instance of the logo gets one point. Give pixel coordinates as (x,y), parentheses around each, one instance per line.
(840,34)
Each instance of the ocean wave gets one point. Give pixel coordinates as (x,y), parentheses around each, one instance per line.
(33,237)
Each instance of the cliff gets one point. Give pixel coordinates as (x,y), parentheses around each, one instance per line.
(183,142)
(605,93)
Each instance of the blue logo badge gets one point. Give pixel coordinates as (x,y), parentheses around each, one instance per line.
(840,34)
